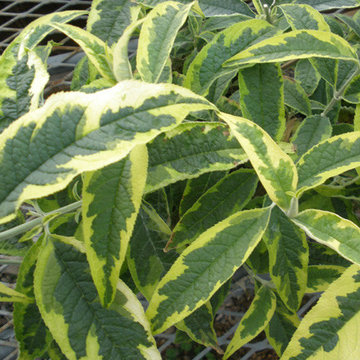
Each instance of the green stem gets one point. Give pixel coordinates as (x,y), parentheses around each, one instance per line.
(338,94)
(267,283)
(7,234)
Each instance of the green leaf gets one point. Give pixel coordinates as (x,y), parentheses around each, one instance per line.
(333,231)
(226,197)
(296,98)
(208,64)
(31,332)
(157,37)
(146,258)
(95,49)
(306,76)
(329,158)
(199,326)
(329,329)
(67,300)
(23,73)
(111,201)
(10,295)
(220,8)
(311,131)
(76,132)
(321,276)
(353,25)
(254,321)
(108,18)
(190,150)
(298,44)
(262,97)
(322,255)
(304,17)
(288,258)
(322,5)
(274,167)
(195,276)
(352,92)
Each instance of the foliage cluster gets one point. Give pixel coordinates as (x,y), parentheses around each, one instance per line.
(229,140)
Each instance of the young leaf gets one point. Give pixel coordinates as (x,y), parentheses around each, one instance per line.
(262,97)
(329,330)
(254,321)
(204,266)
(95,49)
(333,231)
(298,44)
(329,158)
(274,167)
(23,74)
(111,201)
(67,301)
(321,276)
(108,18)
(76,132)
(190,150)
(31,332)
(207,65)
(227,196)
(146,258)
(311,131)
(157,37)
(296,98)
(221,8)
(10,295)
(288,258)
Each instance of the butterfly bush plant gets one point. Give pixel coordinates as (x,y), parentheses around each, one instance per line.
(198,137)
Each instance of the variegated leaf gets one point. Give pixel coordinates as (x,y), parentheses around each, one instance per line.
(321,276)
(207,65)
(226,197)
(67,300)
(329,229)
(195,276)
(8,294)
(329,329)
(274,167)
(111,201)
(306,76)
(76,132)
(157,37)
(288,258)
(322,5)
(262,97)
(298,44)
(254,321)
(221,8)
(329,158)
(190,150)
(296,98)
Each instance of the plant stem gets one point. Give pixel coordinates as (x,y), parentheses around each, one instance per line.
(338,94)
(267,283)
(7,234)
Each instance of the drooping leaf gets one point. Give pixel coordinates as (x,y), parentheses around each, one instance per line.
(329,158)
(207,65)
(262,97)
(288,258)
(111,201)
(296,98)
(76,132)
(66,297)
(146,258)
(190,150)
(311,131)
(95,49)
(226,197)
(31,332)
(195,276)
(254,321)
(220,8)
(157,37)
(274,167)
(298,44)
(333,231)
(199,326)
(23,74)
(307,76)
(321,276)
(108,18)
(329,329)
